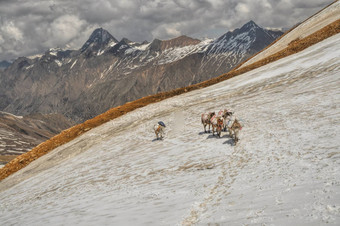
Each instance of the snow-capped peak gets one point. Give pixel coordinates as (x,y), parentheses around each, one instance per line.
(241,40)
(250,25)
(99,38)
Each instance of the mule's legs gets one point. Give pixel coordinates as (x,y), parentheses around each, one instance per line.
(236,136)
(230,132)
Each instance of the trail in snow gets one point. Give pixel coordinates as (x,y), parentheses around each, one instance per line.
(284,169)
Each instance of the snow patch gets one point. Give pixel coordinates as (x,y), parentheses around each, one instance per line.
(175,54)
(29,67)
(100,52)
(58,63)
(123,46)
(74,63)
(54,51)
(112,43)
(16,116)
(142,47)
(35,56)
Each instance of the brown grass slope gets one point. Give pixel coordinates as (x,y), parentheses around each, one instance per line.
(69,134)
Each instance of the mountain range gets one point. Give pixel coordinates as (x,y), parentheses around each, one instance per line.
(105,72)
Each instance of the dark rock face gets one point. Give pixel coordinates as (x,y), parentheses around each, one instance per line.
(99,38)
(104,73)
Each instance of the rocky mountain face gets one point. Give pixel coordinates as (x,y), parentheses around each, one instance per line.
(105,72)
(99,40)
(19,134)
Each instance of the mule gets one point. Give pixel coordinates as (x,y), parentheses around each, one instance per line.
(226,114)
(217,123)
(159,130)
(205,119)
(234,130)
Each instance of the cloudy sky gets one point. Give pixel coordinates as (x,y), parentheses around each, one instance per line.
(29,27)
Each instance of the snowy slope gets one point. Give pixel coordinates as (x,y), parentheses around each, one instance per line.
(284,170)
(313,24)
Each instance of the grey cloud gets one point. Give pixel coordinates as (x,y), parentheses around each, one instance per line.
(32,26)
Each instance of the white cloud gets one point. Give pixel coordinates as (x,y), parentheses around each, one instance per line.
(165,31)
(2,40)
(63,29)
(242,8)
(9,30)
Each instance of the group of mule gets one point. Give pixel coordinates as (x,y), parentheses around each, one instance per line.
(224,120)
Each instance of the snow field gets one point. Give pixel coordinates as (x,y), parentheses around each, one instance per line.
(284,169)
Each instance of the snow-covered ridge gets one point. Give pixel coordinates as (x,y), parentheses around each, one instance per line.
(35,56)
(54,51)
(174,54)
(241,42)
(134,55)
(238,44)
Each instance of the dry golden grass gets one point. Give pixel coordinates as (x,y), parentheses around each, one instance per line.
(75,131)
